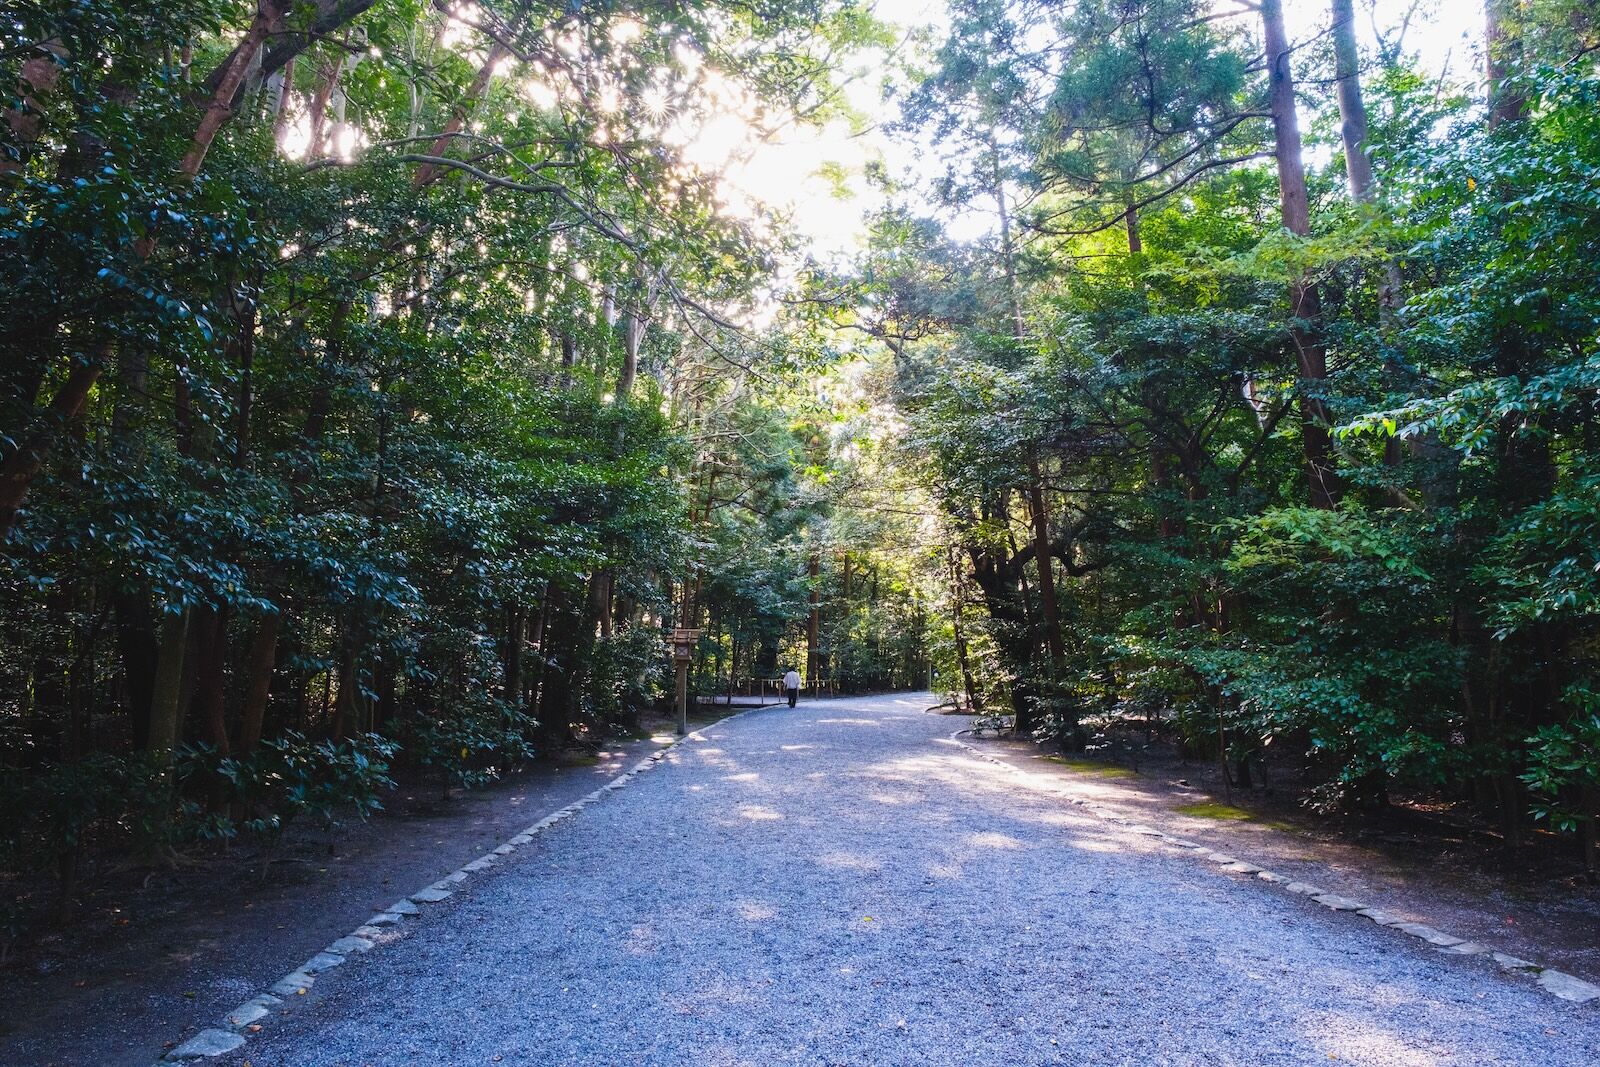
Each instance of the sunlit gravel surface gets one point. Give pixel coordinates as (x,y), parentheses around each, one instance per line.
(841,885)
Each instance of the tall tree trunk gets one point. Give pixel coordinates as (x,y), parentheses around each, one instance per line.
(258,682)
(957,610)
(167,696)
(460,113)
(1008,257)
(280,98)
(1502,56)
(208,644)
(317,111)
(1306,300)
(511,656)
(569,356)
(1039,516)
(1353,134)
(1358,173)
(218,107)
(597,606)
(632,335)
(814,621)
(38,78)
(1352,109)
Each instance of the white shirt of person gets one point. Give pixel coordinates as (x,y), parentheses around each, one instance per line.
(791,680)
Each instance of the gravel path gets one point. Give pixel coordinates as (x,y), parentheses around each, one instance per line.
(842,885)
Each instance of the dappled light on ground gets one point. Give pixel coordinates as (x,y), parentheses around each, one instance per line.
(757,813)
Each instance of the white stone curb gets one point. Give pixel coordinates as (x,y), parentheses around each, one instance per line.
(235,1027)
(1558,983)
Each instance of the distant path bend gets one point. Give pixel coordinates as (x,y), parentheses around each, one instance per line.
(840,884)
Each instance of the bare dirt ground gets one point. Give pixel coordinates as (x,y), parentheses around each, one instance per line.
(156,954)
(1418,861)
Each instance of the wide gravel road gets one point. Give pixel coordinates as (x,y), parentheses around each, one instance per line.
(842,885)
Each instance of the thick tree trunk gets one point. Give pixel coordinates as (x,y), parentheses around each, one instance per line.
(1130,225)
(554,710)
(166,698)
(208,645)
(1352,109)
(1306,300)
(1502,52)
(1353,134)
(280,97)
(258,682)
(632,336)
(137,649)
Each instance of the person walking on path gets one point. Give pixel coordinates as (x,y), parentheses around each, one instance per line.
(791,685)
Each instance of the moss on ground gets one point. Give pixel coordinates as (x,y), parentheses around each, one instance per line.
(1211,809)
(1099,770)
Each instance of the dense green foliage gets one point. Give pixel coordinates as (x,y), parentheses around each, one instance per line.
(368,397)
(1137,379)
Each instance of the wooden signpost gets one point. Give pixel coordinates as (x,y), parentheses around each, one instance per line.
(683,640)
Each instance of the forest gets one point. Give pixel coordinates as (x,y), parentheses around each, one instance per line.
(382,380)
(1269,408)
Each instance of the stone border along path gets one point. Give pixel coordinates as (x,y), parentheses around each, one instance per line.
(1557,983)
(248,1017)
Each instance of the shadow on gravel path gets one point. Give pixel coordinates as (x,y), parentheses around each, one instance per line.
(1561,932)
